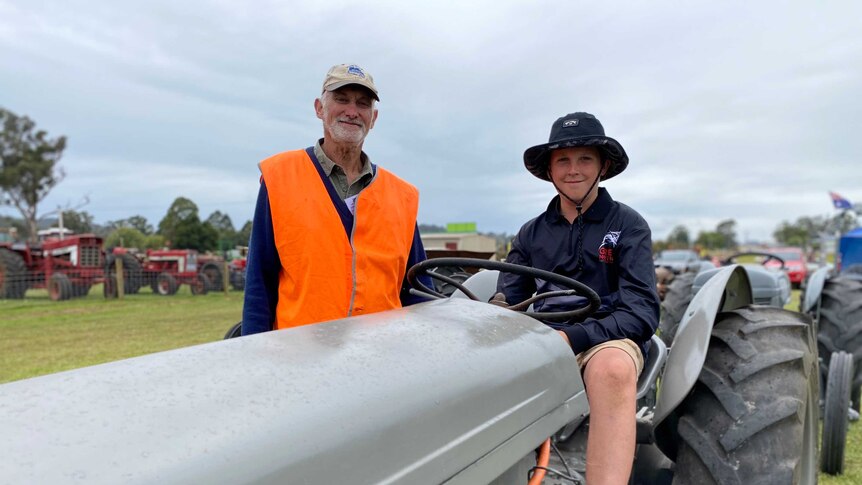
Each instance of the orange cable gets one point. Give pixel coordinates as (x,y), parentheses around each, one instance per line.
(541,461)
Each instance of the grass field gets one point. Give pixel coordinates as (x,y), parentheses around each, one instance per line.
(38,336)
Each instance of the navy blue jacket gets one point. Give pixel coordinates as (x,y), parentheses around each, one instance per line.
(617,264)
(261,286)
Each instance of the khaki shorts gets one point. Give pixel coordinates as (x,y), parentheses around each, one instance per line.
(626,345)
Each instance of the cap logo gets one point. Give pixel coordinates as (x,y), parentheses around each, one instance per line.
(355,70)
(569,123)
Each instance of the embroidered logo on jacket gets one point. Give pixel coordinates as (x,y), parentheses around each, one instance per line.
(606,249)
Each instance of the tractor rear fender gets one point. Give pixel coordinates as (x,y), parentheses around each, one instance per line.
(813,289)
(727,290)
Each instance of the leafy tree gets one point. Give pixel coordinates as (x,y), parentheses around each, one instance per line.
(727,229)
(125,237)
(137,222)
(678,238)
(227,235)
(793,235)
(181,211)
(154,241)
(244,234)
(28,165)
(78,222)
(710,240)
(190,233)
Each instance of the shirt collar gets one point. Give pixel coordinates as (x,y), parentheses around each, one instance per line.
(595,213)
(328,165)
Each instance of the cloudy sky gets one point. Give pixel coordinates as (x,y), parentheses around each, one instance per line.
(746,110)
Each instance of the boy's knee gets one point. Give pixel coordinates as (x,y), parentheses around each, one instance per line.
(611,367)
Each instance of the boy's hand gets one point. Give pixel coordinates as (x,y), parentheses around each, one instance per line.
(499,299)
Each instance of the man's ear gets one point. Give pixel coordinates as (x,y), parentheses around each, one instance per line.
(318,108)
(373,119)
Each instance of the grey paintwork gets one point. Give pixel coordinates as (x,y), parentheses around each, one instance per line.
(768,286)
(813,288)
(443,392)
(728,289)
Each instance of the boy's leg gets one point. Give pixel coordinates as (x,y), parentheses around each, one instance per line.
(610,377)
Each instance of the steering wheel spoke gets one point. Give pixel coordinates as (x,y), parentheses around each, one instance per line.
(576,288)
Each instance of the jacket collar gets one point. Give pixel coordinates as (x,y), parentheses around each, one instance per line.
(596,213)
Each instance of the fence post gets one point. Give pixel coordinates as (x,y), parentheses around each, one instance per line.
(226,278)
(120,280)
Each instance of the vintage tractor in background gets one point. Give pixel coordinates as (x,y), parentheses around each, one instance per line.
(163,270)
(66,267)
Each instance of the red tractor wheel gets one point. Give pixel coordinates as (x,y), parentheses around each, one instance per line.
(200,285)
(59,287)
(166,284)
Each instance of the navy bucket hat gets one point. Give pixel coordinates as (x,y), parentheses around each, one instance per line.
(576,130)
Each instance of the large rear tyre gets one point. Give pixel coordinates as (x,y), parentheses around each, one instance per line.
(237,280)
(752,416)
(835,413)
(59,287)
(213,272)
(841,326)
(674,305)
(132,279)
(13,275)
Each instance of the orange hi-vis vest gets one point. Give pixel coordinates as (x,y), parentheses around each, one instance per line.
(324,274)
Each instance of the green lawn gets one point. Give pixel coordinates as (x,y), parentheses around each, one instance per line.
(38,336)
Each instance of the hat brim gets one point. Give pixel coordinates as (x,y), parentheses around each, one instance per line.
(341,84)
(536,158)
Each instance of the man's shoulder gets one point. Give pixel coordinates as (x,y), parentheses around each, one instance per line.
(282,158)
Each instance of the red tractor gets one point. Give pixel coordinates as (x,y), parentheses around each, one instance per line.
(66,267)
(166,269)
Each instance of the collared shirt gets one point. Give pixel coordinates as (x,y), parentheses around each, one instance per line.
(337,176)
(617,264)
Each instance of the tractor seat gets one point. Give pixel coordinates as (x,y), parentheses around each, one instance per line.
(653,363)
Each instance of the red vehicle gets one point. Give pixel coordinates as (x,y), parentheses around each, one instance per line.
(164,270)
(794,262)
(67,267)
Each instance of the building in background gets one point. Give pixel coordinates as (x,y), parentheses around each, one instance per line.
(460,240)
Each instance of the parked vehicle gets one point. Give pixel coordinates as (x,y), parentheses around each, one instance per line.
(794,264)
(66,267)
(677,260)
(163,270)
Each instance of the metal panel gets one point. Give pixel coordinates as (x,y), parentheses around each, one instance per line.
(438,391)
(726,290)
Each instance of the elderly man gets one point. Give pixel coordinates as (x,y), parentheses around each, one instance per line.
(333,234)
(586,235)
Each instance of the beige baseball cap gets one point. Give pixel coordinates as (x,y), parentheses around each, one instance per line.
(341,75)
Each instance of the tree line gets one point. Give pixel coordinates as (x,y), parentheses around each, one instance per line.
(29,170)
(806,232)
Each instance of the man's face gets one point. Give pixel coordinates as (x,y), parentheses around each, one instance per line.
(574,170)
(348,114)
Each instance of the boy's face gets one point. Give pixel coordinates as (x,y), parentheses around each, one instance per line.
(574,170)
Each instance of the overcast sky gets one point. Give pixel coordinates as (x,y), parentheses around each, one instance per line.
(746,110)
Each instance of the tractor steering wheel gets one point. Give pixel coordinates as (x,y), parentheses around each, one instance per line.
(577,288)
(769,257)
